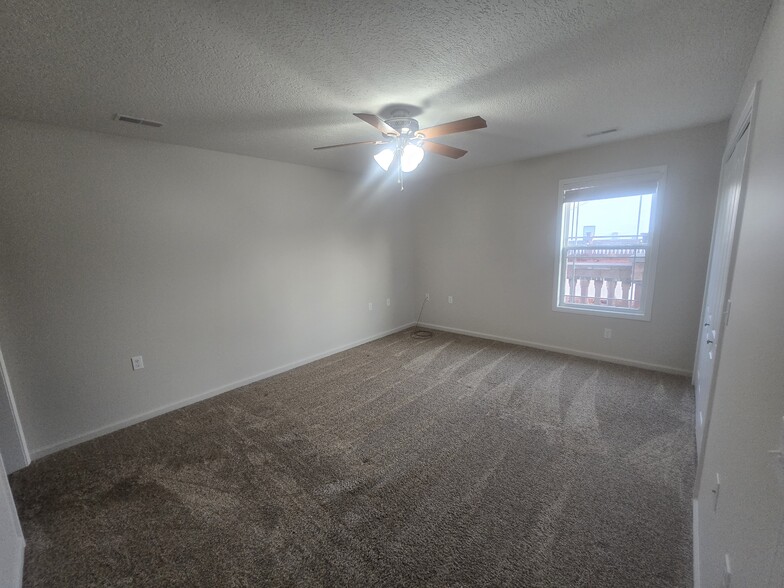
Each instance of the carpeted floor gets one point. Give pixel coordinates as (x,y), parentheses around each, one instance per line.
(452,461)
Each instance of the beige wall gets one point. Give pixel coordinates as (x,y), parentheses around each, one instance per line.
(749,398)
(216,268)
(488,238)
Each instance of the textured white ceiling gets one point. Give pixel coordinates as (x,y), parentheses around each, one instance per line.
(276,78)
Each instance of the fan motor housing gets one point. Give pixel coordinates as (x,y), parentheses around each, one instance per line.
(404,125)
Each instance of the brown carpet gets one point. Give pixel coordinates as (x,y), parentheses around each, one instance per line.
(452,461)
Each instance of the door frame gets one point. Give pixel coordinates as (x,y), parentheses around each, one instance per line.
(745,123)
(14,447)
(17,546)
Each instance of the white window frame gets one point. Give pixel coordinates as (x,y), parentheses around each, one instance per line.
(613,182)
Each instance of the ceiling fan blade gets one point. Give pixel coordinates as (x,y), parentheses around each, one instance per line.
(456,126)
(349,144)
(375,121)
(440,149)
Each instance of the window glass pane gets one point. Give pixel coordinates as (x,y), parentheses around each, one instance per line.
(605,246)
(612,217)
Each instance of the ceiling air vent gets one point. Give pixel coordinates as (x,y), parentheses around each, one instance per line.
(137,121)
(604,132)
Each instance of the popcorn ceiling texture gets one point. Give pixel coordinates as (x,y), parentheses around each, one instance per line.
(453,461)
(274,79)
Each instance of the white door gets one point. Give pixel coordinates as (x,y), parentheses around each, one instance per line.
(12,442)
(12,543)
(716,305)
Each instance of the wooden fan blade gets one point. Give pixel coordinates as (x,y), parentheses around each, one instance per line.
(440,149)
(456,126)
(375,121)
(349,144)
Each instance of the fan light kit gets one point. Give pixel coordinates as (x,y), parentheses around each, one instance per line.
(405,143)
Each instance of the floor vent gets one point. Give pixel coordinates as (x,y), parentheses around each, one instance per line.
(137,121)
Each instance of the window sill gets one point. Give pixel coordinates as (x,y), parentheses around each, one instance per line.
(604,312)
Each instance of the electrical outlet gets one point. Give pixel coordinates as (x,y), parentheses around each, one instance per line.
(450,300)
(137,363)
(608,333)
(370,306)
(427,297)
(389,302)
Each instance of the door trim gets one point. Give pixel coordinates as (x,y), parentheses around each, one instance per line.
(745,123)
(14,575)
(16,456)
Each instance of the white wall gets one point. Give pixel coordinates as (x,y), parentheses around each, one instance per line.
(749,398)
(216,268)
(488,238)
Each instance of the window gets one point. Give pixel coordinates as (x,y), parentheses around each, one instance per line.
(607,243)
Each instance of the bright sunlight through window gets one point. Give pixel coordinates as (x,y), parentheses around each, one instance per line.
(607,243)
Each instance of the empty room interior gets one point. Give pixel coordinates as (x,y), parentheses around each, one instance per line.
(445,293)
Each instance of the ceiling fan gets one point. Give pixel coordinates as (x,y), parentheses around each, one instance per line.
(406,142)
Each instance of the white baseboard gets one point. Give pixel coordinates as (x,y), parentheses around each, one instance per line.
(121,424)
(695,537)
(587,354)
